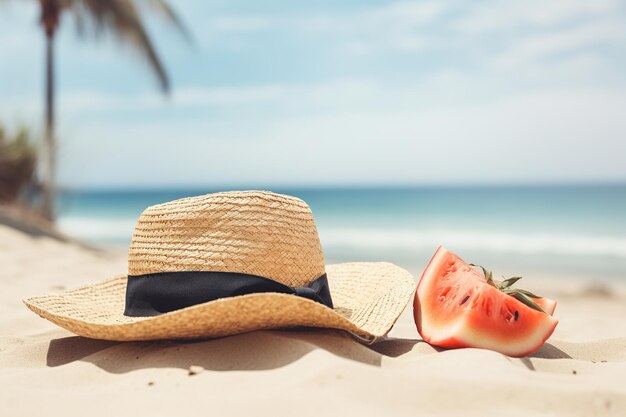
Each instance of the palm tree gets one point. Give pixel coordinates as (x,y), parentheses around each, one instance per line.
(122,19)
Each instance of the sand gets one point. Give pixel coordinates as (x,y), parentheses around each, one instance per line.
(45,370)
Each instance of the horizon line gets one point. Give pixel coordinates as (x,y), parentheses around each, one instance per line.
(341,186)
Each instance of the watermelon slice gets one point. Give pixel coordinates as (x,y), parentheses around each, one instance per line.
(458,306)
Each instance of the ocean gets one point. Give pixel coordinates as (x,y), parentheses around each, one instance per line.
(560,231)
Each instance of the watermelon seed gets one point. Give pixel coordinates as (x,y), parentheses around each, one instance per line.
(516,315)
(464,300)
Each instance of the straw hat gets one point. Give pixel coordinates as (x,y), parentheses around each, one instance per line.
(229,263)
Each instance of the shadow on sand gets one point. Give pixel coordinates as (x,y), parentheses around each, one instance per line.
(547,351)
(259,350)
(251,351)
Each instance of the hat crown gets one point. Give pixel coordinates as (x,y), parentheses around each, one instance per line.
(252,232)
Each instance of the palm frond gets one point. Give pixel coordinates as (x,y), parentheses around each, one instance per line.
(122,19)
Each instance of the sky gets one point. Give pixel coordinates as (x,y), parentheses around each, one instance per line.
(324,93)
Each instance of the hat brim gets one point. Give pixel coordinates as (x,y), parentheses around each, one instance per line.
(368,298)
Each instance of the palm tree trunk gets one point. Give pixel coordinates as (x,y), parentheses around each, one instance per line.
(49,148)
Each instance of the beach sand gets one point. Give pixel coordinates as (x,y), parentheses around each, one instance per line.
(45,370)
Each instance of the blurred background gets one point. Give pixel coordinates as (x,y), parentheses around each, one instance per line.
(497,129)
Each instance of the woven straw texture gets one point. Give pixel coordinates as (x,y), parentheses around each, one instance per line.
(252,232)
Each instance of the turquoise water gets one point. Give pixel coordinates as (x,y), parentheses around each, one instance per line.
(568,231)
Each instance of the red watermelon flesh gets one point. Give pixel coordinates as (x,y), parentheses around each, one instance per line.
(456,307)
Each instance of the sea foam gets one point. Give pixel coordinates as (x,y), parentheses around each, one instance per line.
(524,243)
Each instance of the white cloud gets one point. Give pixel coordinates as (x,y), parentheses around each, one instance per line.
(333,94)
(527,30)
(542,45)
(363,132)
(497,16)
(405,14)
(546,136)
(395,25)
